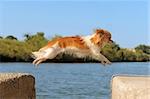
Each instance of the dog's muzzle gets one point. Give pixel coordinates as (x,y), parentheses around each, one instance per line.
(111,41)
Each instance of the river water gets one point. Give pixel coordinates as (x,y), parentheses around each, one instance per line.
(76,80)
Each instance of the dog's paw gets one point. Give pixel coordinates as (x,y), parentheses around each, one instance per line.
(105,63)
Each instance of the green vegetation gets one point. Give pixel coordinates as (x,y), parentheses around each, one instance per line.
(114,53)
(11,49)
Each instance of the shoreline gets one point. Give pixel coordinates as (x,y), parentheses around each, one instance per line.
(72,62)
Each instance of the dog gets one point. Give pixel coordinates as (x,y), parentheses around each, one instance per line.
(79,46)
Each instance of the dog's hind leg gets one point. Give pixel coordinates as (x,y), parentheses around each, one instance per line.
(39,61)
(36,60)
(50,53)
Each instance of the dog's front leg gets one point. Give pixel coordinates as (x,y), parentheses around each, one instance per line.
(102,58)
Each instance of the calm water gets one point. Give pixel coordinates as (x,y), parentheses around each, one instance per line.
(75,81)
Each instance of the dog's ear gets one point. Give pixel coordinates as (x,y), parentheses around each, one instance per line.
(99,32)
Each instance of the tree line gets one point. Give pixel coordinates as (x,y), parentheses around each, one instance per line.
(14,50)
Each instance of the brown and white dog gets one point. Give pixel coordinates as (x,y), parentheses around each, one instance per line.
(86,46)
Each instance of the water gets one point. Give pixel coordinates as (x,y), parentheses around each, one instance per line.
(75,81)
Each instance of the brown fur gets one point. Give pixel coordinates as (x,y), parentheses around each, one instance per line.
(72,42)
(67,42)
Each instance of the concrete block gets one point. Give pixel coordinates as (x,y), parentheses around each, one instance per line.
(131,87)
(17,86)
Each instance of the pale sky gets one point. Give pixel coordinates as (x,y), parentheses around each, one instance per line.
(127,20)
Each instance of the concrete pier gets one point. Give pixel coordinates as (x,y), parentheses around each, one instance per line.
(17,86)
(131,87)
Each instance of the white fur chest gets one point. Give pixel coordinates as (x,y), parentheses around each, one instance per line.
(93,48)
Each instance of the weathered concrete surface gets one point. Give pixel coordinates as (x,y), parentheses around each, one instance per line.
(17,86)
(127,87)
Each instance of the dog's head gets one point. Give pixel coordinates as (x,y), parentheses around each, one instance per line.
(101,37)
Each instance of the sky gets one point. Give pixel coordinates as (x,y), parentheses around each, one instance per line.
(127,20)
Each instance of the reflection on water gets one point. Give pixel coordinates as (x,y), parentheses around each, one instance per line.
(75,81)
